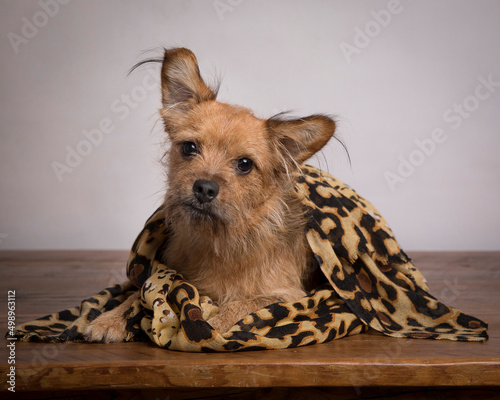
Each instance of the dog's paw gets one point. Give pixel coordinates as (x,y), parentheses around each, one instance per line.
(221,323)
(106,328)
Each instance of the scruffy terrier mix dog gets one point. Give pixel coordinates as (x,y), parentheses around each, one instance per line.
(238,227)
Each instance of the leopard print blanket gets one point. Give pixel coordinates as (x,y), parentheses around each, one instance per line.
(369,283)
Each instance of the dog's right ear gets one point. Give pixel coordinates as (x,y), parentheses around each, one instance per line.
(181,82)
(299,139)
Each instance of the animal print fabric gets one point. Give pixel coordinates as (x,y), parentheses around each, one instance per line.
(369,283)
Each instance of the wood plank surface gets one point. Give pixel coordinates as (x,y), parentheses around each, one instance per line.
(49,281)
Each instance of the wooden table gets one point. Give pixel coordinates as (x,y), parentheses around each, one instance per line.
(356,367)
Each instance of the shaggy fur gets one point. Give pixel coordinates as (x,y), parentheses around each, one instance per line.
(245,248)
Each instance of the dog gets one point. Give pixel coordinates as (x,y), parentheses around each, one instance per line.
(238,228)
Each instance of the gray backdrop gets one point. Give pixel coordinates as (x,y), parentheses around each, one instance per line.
(415,87)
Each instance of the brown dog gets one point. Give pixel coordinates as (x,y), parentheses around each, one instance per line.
(238,227)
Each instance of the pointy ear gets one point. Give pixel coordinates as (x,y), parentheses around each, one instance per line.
(301,138)
(181,82)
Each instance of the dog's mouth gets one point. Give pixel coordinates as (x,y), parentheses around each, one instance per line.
(201,211)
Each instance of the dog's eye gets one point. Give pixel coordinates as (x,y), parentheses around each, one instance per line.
(244,165)
(189,149)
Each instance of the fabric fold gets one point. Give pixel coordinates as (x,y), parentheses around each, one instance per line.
(370,282)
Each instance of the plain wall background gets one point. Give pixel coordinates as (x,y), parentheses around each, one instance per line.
(70,73)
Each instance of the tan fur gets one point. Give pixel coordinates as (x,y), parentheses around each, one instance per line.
(249,249)
(255,248)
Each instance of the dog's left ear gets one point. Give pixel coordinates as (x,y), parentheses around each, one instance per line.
(301,138)
(181,82)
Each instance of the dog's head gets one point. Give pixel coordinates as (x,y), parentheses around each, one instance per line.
(224,164)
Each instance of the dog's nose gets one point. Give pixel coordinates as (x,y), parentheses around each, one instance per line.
(205,191)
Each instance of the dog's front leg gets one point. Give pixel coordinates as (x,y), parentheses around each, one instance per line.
(232,312)
(110,325)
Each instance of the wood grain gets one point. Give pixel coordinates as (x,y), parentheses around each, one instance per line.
(48,281)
